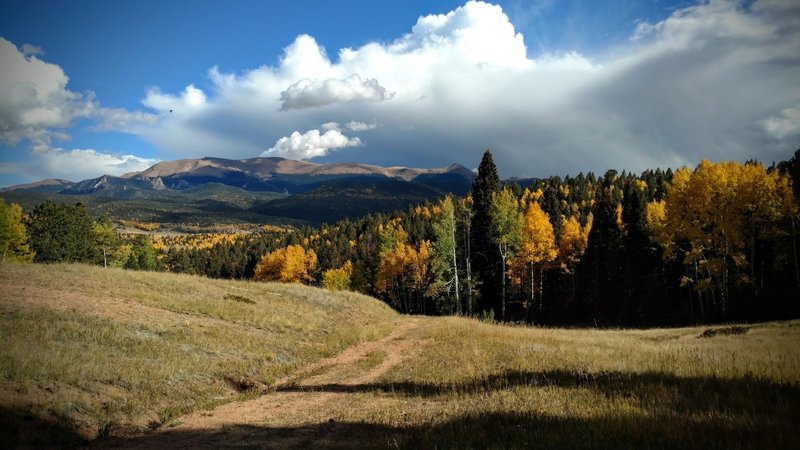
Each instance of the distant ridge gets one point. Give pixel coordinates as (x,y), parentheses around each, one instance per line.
(266,168)
(256,187)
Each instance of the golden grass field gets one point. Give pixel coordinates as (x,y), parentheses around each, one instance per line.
(126,359)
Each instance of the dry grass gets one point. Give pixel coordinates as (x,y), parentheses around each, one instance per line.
(479,385)
(106,351)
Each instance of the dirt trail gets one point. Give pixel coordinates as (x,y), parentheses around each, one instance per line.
(299,402)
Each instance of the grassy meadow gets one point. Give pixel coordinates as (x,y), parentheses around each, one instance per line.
(102,352)
(665,388)
(92,353)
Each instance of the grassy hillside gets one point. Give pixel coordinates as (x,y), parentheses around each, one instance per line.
(93,352)
(107,351)
(698,387)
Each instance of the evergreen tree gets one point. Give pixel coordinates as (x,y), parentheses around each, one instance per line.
(61,233)
(603,257)
(485,254)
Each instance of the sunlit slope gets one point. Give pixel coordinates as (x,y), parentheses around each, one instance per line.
(101,350)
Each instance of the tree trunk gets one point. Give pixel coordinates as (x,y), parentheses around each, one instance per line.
(503,294)
(794,248)
(469,273)
(105,263)
(541,290)
(528,317)
(455,272)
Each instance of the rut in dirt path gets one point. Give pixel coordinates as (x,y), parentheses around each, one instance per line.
(297,401)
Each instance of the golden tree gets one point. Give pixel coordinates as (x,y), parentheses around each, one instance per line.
(572,242)
(404,274)
(714,216)
(292,264)
(536,252)
(338,279)
(13,236)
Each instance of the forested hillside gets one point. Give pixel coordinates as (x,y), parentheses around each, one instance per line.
(709,244)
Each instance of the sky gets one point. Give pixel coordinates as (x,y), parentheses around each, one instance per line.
(552,87)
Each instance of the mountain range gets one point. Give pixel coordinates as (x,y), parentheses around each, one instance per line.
(254,189)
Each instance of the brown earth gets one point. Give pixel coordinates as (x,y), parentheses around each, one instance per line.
(295,412)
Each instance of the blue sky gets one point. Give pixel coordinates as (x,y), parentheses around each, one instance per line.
(553,87)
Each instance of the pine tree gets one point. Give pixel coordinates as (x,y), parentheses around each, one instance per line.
(484,251)
(61,233)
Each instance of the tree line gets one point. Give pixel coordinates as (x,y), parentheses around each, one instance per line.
(713,243)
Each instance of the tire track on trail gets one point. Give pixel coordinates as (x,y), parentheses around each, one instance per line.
(297,401)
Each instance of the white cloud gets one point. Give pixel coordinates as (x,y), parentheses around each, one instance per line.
(360,126)
(34,99)
(119,119)
(311,144)
(786,124)
(30,49)
(698,84)
(37,107)
(313,93)
(80,164)
(190,98)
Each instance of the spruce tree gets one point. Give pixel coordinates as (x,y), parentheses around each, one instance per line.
(61,233)
(485,255)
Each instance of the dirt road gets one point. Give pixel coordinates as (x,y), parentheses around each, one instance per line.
(295,412)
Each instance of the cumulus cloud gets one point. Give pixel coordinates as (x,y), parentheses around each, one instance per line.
(78,164)
(34,98)
(786,124)
(37,108)
(310,144)
(716,80)
(190,98)
(312,93)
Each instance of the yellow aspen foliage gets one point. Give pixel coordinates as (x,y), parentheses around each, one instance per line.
(656,218)
(719,211)
(292,264)
(404,269)
(13,235)
(338,279)
(538,247)
(572,243)
(618,213)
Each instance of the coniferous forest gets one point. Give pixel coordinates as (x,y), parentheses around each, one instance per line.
(716,243)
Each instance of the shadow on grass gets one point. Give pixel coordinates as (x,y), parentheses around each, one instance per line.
(671,412)
(688,394)
(24,429)
(491,430)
